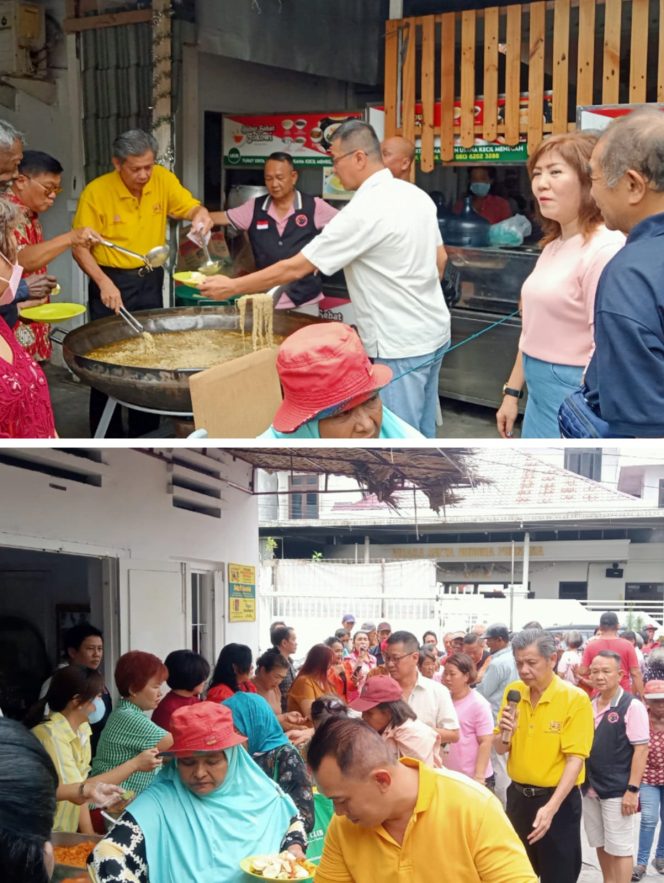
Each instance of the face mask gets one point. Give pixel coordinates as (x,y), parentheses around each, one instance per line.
(480,188)
(9,294)
(98,713)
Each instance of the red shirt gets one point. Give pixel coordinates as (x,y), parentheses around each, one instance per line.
(493,208)
(618,645)
(220,691)
(161,716)
(25,402)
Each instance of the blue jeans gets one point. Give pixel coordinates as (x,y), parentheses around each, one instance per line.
(548,386)
(414,397)
(652,810)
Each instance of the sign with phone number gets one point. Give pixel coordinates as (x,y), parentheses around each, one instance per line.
(487,153)
(241,593)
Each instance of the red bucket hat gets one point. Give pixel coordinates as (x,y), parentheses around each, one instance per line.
(381,688)
(202,728)
(323,366)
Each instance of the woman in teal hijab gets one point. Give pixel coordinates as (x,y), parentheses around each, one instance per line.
(273,752)
(331,389)
(208,809)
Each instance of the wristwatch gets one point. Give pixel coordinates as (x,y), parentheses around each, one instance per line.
(633,789)
(510,391)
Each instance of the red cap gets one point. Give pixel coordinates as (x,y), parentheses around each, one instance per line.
(323,366)
(381,688)
(197,729)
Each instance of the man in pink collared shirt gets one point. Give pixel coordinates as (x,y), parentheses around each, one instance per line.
(280,225)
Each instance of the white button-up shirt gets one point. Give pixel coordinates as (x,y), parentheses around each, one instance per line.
(386,241)
(433,704)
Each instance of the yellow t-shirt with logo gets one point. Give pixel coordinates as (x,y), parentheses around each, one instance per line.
(560,724)
(108,207)
(458,831)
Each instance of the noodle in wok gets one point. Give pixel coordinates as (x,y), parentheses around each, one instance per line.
(263,317)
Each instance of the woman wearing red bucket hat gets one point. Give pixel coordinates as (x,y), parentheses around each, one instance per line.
(331,388)
(206,811)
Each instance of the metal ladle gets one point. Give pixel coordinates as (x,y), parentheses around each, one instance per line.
(210,267)
(156,257)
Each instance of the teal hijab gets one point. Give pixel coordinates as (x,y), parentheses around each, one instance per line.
(391,427)
(188,837)
(254,718)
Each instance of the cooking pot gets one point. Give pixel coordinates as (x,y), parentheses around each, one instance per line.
(157,388)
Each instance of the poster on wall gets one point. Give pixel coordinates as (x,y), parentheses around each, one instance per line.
(249,139)
(598,116)
(241,593)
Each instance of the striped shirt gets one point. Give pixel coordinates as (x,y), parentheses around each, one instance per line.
(127,733)
(70,752)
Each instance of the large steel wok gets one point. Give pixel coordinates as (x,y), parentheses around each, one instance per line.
(160,389)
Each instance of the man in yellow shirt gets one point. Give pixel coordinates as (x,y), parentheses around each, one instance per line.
(548,737)
(130,207)
(405,822)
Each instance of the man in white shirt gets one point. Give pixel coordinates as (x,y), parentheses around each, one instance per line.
(388,243)
(430,700)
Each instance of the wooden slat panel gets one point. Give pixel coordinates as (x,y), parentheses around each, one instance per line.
(467,131)
(611,68)
(447,44)
(586,54)
(512,74)
(491,20)
(408,80)
(536,74)
(428,91)
(391,74)
(638,57)
(560,65)
(660,54)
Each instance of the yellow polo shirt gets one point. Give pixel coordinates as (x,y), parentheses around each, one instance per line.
(139,224)
(458,831)
(560,724)
(70,753)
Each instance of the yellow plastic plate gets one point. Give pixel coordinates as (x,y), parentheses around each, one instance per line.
(53,312)
(245,864)
(189,277)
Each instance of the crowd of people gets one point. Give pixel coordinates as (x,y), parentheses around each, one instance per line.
(510,739)
(591,332)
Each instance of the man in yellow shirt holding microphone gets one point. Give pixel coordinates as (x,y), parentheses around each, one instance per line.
(547,727)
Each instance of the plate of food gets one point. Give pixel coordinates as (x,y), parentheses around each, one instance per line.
(192,278)
(59,312)
(284,866)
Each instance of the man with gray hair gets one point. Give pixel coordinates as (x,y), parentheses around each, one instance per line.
(130,206)
(546,726)
(11,154)
(624,383)
(388,243)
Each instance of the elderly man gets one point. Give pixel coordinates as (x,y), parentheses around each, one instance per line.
(398,154)
(430,700)
(624,383)
(280,225)
(130,206)
(608,639)
(388,243)
(548,736)
(401,820)
(615,768)
(500,671)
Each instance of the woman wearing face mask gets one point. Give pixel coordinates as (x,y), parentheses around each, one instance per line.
(558,298)
(25,402)
(331,389)
(65,734)
(491,207)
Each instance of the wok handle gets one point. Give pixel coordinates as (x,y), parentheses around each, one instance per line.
(58,335)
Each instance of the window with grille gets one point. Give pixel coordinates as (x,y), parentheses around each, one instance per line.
(584,461)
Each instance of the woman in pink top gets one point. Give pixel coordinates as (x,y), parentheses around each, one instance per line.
(384,709)
(470,755)
(361,660)
(558,298)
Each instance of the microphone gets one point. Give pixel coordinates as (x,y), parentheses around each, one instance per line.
(513,699)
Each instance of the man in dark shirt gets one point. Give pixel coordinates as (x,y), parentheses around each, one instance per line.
(625,378)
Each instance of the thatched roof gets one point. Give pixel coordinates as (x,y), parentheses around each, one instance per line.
(437,472)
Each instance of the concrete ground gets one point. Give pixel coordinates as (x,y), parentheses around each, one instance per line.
(70,404)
